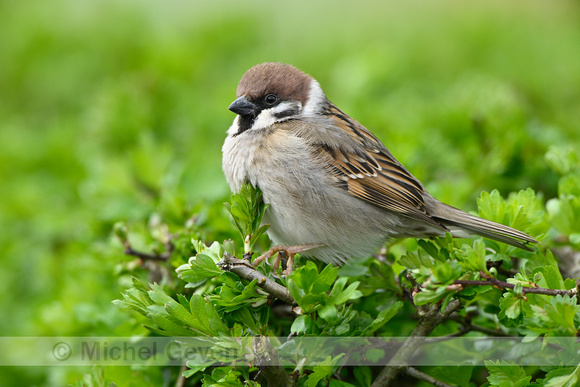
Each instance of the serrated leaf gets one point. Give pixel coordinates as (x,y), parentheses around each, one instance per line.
(446,272)
(511,307)
(179,313)
(563,377)
(197,306)
(139,285)
(158,315)
(492,206)
(550,277)
(183,301)
(503,372)
(158,295)
(417,259)
(201,267)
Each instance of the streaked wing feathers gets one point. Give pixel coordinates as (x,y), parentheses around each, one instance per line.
(372,173)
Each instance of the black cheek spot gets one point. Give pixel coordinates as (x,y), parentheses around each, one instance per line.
(287,113)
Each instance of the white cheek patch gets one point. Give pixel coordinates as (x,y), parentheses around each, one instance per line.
(234,128)
(281,112)
(316,100)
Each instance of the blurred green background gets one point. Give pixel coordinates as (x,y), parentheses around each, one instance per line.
(117,110)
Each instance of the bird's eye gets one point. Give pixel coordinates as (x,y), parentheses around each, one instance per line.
(271,99)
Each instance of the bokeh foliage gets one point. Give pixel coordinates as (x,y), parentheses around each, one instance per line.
(117,111)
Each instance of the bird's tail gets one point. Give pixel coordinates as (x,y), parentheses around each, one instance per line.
(460,222)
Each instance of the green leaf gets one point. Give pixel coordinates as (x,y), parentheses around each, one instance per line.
(453,374)
(246,210)
(505,375)
(328,313)
(170,327)
(338,286)
(199,268)
(198,309)
(446,272)
(511,307)
(431,296)
(417,259)
(492,206)
(549,277)
(178,312)
(245,316)
(302,324)
(383,317)
(473,257)
(562,159)
(351,293)
(431,249)
(325,279)
(158,296)
(322,371)
(363,375)
(563,377)
(569,284)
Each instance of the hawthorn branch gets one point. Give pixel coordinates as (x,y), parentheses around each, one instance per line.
(467,326)
(244,269)
(506,285)
(269,365)
(147,256)
(429,318)
(423,376)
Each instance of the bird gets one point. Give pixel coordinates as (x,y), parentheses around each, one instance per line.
(333,189)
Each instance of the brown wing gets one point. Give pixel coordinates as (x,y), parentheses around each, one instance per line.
(371,173)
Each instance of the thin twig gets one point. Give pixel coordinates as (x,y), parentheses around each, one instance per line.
(429,318)
(244,269)
(147,256)
(180,382)
(506,285)
(423,376)
(467,326)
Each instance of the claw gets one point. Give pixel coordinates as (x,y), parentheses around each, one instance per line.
(290,251)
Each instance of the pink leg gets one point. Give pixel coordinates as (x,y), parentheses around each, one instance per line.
(291,251)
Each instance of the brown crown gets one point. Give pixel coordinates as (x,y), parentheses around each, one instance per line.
(278,78)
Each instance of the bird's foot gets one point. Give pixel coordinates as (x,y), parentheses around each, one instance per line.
(288,251)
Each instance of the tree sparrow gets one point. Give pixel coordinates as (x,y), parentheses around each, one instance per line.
(334,191)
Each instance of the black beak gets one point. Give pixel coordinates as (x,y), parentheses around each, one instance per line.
(243,107)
